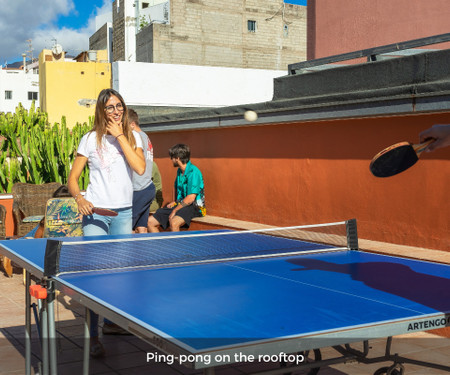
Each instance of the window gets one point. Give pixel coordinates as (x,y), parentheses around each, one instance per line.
(251,25)
(32,95)
(286,30)
(145,5)
(8,94)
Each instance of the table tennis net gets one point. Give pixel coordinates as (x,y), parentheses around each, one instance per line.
(185,248)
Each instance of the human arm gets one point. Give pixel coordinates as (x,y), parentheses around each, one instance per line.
(134,157)
(173,203)
(188,200)
(84,206)
(439,132)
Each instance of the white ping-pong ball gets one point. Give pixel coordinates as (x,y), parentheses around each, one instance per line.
(250,116)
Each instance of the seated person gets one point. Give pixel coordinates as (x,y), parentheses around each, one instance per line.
(156,177)
(189,194)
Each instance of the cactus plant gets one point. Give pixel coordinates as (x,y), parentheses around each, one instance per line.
(34,151)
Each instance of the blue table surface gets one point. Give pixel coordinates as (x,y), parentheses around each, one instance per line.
(232,302)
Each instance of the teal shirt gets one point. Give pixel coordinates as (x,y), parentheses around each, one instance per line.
(190,182)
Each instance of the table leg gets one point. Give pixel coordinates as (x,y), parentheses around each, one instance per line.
(209,371)
(44,337)
(27,324)
(87,338)
(51,327)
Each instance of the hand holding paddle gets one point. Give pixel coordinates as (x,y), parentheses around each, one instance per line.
(85,208)
(397,158)
(441,133)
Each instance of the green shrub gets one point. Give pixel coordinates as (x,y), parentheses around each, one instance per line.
(36,152)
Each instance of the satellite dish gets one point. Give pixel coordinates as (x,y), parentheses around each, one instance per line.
(57,50)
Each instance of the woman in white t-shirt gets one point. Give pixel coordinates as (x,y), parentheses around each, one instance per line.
(112,151)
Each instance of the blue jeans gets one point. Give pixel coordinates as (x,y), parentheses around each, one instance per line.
(97,225)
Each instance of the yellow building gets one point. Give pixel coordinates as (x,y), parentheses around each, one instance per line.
(70,88)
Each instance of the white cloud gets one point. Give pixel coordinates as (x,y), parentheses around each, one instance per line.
(73,41)
(104,14)
(21,20)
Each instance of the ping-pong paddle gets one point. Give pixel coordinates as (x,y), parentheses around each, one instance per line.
(397,158)
(104,211)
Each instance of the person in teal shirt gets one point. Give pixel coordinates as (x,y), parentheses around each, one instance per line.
(189,199)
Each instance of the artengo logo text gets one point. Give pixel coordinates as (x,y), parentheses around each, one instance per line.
(429,324)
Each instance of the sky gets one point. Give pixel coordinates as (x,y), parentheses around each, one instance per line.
(69,23)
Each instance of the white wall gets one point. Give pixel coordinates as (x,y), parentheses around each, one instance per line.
(191,86)
(20,83)
(159,12)
(130,14)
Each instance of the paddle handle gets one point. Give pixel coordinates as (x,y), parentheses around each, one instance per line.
(421,147)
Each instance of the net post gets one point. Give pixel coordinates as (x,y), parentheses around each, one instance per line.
(51,259)
(352,234)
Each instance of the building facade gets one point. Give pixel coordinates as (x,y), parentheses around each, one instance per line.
(258,34)
(70,88)
(340,26)
(19,86)
(102,39)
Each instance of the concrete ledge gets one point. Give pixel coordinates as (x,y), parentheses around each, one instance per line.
(405,251)
(369,245)
(230,223)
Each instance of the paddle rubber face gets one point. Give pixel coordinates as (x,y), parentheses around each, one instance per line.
(393,160)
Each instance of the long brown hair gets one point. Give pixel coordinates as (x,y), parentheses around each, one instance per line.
(100,117)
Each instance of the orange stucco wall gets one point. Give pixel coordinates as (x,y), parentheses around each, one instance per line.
(341,26)
(313,172)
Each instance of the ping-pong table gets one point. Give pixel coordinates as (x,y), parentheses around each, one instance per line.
(211,298)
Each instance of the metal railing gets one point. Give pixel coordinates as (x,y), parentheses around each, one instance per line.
(370,53)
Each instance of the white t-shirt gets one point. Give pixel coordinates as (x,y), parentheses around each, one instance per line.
(110,176)
(141,182)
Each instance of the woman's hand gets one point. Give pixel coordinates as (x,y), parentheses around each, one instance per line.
(114,127)
(84,206)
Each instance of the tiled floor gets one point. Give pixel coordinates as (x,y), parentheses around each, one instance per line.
(126,355)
